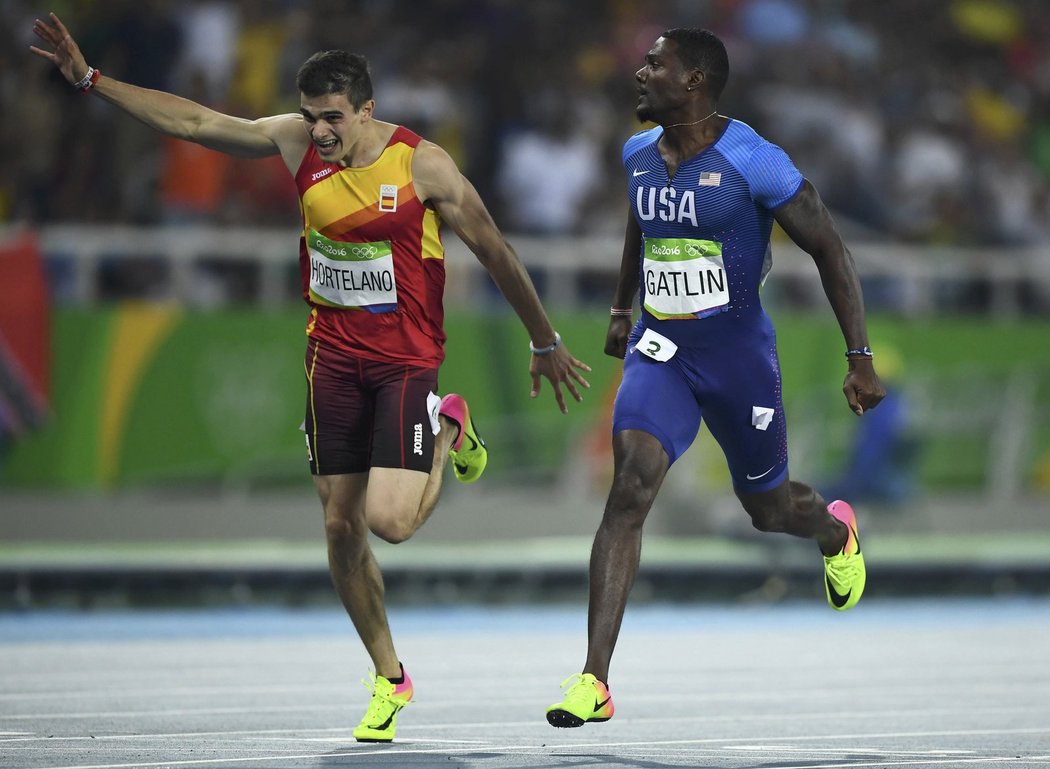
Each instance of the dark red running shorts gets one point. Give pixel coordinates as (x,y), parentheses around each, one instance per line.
(362,414)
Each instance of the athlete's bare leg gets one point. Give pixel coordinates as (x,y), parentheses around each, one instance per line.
(403,500)
(399,501)
(797,509)
(354,571)
(639,466)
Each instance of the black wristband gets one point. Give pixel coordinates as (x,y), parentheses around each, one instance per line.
(863,352)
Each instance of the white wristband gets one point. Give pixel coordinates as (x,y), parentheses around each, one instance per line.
(548,349)
(85,83)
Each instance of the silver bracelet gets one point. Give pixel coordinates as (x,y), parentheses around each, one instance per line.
(548,349)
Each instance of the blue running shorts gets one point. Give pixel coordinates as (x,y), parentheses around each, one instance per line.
(734,389)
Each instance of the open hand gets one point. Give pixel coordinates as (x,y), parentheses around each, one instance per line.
(560,368)
(62,50)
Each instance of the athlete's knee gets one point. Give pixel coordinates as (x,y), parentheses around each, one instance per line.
(768,513)
(392,532)
(344,538)
(343,511)
(768,519)
(394,527)
(629,500)
(783,512)
(805,499)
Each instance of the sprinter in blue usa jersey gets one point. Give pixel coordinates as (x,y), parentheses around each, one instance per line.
(704,191)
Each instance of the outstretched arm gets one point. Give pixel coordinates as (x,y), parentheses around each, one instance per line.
(808,222)
(174,115)
(439,183)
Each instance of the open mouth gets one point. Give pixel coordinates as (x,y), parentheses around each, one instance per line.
(326,145)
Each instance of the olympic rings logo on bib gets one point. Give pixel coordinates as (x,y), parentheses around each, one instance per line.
(698,250)
(365,252)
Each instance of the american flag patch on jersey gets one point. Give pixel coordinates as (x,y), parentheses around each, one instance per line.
(710,179)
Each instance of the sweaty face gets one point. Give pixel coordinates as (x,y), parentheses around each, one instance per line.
(662,82)
(332,123)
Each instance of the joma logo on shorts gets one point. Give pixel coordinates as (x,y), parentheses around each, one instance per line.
(417,438)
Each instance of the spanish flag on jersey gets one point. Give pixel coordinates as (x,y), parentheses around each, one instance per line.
(371,258)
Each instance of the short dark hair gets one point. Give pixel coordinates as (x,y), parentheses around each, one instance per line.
(336,72)
(701,49)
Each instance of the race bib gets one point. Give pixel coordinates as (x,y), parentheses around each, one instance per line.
(352,275)
(684,278)
(656,346)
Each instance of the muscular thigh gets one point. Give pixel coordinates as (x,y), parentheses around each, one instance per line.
(740,395)
(363,414)
(657,398)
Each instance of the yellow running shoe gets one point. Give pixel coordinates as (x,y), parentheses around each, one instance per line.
(387,700)
(588,699)
(844,573)
(468,454)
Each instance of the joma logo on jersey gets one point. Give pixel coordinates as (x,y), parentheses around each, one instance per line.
(321,174)
(665,206)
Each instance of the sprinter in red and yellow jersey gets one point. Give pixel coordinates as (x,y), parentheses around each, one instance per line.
(373,196)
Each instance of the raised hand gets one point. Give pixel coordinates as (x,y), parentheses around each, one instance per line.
(64,52)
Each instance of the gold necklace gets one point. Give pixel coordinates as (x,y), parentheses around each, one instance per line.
(701,120)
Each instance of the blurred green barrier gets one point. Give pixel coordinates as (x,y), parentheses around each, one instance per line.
(150,394)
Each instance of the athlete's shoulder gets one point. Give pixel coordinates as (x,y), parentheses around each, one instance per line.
(312,168)
(641,139)
(403,135)
(740,142)
(769,172)
(746,147)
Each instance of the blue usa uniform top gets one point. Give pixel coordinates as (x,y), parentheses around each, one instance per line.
(706,232)
(704,350)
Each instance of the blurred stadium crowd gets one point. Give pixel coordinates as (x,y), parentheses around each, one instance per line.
(923,123)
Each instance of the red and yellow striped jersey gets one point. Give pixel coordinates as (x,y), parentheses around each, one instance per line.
(370,257)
